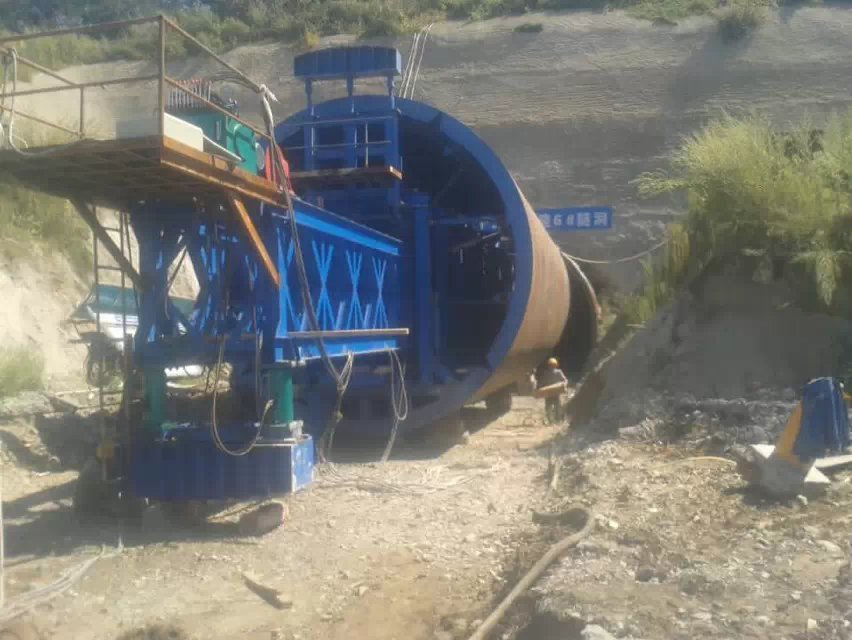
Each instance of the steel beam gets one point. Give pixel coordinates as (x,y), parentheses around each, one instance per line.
(91,219)
(254,238)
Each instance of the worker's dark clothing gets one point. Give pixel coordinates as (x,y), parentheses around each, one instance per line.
(552,404)
(551,376)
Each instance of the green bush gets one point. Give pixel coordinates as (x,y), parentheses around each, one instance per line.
(58,52)
(529,27)
(741,18)
(21,369)
(770,201)
(662,277)
(670,11)
(27,216)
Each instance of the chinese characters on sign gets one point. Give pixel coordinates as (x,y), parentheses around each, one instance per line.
(573,218)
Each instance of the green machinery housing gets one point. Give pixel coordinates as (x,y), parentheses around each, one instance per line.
(225,131)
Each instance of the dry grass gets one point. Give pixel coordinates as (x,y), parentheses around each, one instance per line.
(21,369)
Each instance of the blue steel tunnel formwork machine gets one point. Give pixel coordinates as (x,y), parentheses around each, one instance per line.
(487,293)
(395,251)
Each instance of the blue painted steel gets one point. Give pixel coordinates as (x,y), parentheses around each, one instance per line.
(186,465)
(237,299)
(576,218)
(344,62)
(457,139)
(353,141)
(453,262)
(825,420)
(327,223)
(423,312)
(480,223)
(354,273)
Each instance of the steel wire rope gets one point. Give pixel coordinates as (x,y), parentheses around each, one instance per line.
(214,426)
(637,256)
(341,378)
(10,58)
(399,402)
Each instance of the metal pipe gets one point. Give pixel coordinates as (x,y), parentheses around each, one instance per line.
(161,88)
(213,55)
(83,85)
(340,145)
(323,121)
(94,28)
(82,113)
(346,333)
(35,65)
(26,116)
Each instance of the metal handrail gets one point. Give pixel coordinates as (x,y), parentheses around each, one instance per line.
(340,145)
(92,28)
(163,80)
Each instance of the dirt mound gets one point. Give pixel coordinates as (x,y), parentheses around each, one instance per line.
(732,339)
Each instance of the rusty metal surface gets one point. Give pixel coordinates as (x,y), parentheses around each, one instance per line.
(546,310)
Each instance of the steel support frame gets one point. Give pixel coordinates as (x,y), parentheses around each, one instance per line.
(353,273)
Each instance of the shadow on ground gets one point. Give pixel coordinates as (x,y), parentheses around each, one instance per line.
(45,523)
(58,530)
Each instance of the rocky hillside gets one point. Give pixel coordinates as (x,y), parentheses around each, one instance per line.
(580,108)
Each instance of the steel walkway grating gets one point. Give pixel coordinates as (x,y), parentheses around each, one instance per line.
(119,173)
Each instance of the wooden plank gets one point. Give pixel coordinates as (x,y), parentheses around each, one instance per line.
(832,463)
(550,390)
(254,237)
(218,172)
(91,219)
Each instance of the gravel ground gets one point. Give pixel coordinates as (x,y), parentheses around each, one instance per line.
(424,546)
(684,550)
(401,550)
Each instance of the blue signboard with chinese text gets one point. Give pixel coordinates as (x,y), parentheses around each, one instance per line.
(576,218)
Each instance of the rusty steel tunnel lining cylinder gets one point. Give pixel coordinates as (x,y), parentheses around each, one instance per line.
(496,329)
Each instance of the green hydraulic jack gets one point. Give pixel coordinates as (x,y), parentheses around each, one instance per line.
(155,399)
(283,423)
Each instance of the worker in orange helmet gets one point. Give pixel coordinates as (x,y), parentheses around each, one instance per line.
(551,384)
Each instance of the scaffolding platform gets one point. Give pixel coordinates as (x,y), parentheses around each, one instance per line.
(121,172)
